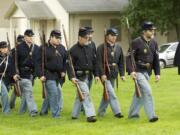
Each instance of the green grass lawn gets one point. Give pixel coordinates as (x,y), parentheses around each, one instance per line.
(167,104)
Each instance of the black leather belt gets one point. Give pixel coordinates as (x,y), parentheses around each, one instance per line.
(26,69)
(143,64)
(81,72)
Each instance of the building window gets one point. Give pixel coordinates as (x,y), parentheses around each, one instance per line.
(85,22)
(116,24)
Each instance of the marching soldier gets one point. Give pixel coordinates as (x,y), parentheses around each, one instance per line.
(20,39)
(111,61)
(177,57)
(92,45)
(5,65)
(27,53)
(55,68)
(45,106)
(83,61)
(145,51)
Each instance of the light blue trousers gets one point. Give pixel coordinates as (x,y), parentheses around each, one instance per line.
(4,98)
(113,100)
(87,103)
(146,100)
(27,98)
(45,105)
(53,98)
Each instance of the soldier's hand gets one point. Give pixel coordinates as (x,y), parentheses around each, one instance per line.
(123,78)
(63,74)
(133,75)
(97,79)
(157,78)
(103,78)
(74,80)
(43,78)
(16,77)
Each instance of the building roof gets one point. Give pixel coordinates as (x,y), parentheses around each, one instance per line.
(84,6)
(31,9)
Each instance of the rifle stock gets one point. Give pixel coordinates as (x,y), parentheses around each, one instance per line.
(16,85)
(137,88)
(44,92)
(80,94)
(117,83)
(17,88)
(105,92)
(43,42)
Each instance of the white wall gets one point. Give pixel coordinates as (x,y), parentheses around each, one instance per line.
(4,5)
(99,23)
(3,32)
(19,23)
(4,24)
(62,17)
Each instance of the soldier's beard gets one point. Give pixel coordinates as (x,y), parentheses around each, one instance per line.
(29,42)
(86,43)
(90,39)
(111,42)
(147,37)
(3,54)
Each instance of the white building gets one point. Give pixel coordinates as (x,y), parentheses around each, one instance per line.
(50,14)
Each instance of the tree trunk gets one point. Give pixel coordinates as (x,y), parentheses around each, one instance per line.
(177,27)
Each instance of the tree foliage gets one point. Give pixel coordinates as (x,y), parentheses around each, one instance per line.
(164,13)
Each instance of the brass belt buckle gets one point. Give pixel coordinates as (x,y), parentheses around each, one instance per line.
(86,72)
(147,65)
(79,72)
(113,64)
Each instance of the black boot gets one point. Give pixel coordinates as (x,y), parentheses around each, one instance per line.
(91,119)
(154,119)
(118,115)
(74,118)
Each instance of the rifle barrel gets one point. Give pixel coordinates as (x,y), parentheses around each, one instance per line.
(16,85)
(137,88)
(43,42)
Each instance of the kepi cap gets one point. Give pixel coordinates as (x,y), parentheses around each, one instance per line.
(112,31)
(29,33)
(56,33)
(3,44)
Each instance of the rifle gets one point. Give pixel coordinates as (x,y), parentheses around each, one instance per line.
(137,88)
(81,96)
(106,68)
(117,83)
(16,85)
(105,92)
(43,42)
(9,45)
